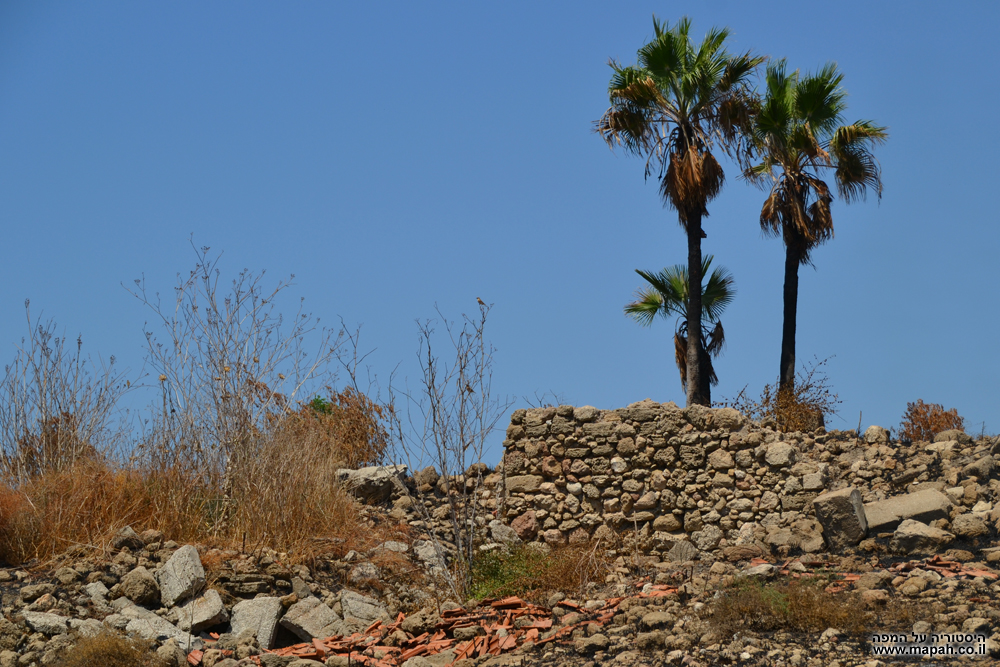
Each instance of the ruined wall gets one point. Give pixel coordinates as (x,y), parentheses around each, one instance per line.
(671,479)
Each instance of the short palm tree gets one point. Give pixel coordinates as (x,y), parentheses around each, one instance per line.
(667,296)
(799,134)
(671,107)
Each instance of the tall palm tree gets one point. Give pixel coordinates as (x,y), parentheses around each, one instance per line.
(671,107)
(667,295)
(799,134)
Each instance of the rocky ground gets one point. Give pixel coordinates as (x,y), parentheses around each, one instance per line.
(924,560)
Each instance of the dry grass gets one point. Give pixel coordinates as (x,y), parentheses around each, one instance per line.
(803,606)
(109,649)
(348,426)
(284,496)
(922,421)
(533,574)
(803,408)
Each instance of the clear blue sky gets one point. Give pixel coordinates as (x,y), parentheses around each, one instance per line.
(394,156)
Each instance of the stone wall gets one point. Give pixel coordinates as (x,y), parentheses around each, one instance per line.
(666,479)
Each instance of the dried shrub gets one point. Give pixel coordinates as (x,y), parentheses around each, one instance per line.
(922,421)
(802,606)
(802,408)
(533,574)
(109,649)
(348,426)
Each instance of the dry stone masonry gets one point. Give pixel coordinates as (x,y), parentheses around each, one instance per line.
(686,483)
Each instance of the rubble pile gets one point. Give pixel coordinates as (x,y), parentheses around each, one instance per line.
(684,502)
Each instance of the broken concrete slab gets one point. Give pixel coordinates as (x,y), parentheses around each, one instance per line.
(260,615)
(181,577)
(924,506)
(842,515)
(916,537)
(311,618)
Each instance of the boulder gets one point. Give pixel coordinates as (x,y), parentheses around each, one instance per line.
(502,533)
(969,526)
(916,537)
(181,577)
(526,525)
(876,435)
(146,624)
(956,434)
(47,624)
(126,538)
(202,612)
(259,615)
(140,587)
(311,618)
(373,484)
(842,515)
(780,454)
(924,506)
(682,551)
(980,469)
(363,608)
(524,483)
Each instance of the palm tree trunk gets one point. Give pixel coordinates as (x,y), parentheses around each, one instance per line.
(786,375)
(698,388)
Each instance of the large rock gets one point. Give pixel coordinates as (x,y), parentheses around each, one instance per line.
(358,606)
(311,618)
(146,624)
(126,538)
(140,587)
(924,506)
(969,526)
(524,483)
(259,615)
(181,577)
(502,533)
(526,525)
(780,454)
(47,624)
(682,550)
(916,537)
(842,515)
(954,434)
(373,484)
(202,612)
(876,435)
(980,469)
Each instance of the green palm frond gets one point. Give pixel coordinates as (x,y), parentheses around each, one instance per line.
(799,132)
(648,304)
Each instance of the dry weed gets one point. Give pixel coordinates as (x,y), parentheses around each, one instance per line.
(922,421)
(802,408)
(109,649)
(802,606)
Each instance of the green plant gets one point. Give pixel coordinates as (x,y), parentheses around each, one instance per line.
(922,421)
(802,606)
(532,573)
(671,107)
(667,296)
(798,133)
